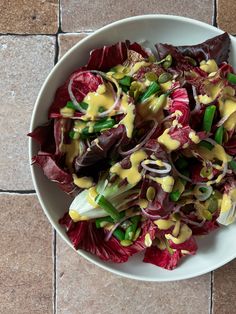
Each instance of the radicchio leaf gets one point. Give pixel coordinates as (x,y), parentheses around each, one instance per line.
(107,57)
(101,147)
(54,172)
(162,258)
(84,235)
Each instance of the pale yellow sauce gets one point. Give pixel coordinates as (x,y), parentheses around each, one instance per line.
(194,137)
(75,216)
(150,194)
(143,203)
(67,112)
(147,240)
(128,120)
(132,174)
(164,224)
(138,66)
(217,152)
(214,91)
(227,200)
(230,123)
(71,150)
(92,193)
(166,182)
(227,107)
(84,182)
(96,100)
(209,66)
(176,229)
(184,234)
(166,140)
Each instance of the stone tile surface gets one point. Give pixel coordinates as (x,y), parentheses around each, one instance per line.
(26,265)
(93,14)
(66,41)
(226,10)
(29,16)
(25,62)
(85,288)
(224,287)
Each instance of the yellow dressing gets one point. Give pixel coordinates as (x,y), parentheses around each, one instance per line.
(92,193)
(230,123)
(227,107)
(184,234)
(84,182)
(226,203)
(176,229)
(128,120)
(143,203)
(67,112)
(217,152)
(166,182)
(164,224)
(132,174)
(147,240)
(137,66)
(209,66)
(75,216)
(71,150)
(166,140)
(95,100)
(214,90)
(193,137)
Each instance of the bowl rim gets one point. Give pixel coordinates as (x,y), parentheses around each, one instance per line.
(82,253)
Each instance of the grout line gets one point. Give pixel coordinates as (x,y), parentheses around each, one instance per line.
(54,272)
(27,35)
(56,50)
(59,18)
(214,20)
(18,191)
(211,293)
(59,32)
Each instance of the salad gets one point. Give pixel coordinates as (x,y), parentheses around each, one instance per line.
(143,139)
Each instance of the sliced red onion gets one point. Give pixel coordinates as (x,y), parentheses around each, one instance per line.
(195,223)
(159,171)
(150,216)
(109,234)
(204,195)
(138,146)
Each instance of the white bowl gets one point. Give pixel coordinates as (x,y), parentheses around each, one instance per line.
(216,249)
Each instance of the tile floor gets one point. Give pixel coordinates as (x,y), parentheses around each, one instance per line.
(39,273)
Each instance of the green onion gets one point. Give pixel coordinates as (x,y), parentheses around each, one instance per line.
(71,105)
(137,234)
(152,89)
(164,77)
(119,234)
(126,242)
(130,231)
(124,88)
(175,195)
(219,135)
(107,206)
(206,144)
(232,164)
(231,78)
(126,80)
(101,222)
(74,135)
(99,126)
(208,118)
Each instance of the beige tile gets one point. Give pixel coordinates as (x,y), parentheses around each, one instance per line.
(25,61)
(26,275)
(85,288)
(224,289)
(29,16)
(226,10)
(66,41)
(93,14)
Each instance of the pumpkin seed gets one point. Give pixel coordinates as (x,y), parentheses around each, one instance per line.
(151,76)
(164,77)
(126,242)
(118,76)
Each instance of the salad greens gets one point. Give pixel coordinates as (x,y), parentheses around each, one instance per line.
(144,142)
